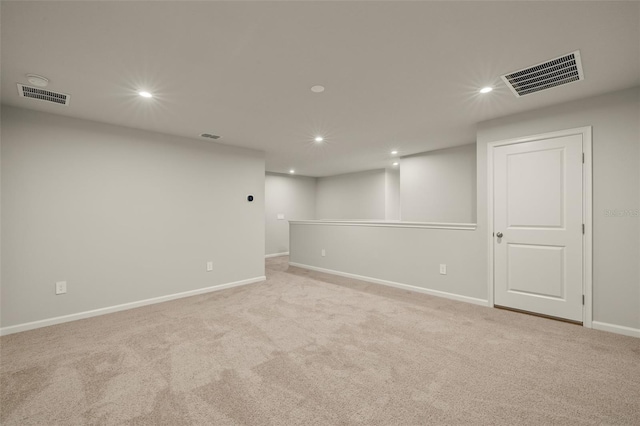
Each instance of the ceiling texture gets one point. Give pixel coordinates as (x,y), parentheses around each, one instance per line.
(398,75)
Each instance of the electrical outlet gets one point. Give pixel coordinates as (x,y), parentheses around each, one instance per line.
(209,266)
(324,253)
(443,269)
(61,287)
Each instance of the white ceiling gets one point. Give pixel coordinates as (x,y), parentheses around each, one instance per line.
(398,75)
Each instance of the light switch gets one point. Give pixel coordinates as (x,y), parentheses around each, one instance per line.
(280,216)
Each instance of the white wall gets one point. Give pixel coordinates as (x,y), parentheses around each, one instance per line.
(352,196)
(292,196)
(409,256)
(392,194)
(122,215)
(615,118)
(439,186)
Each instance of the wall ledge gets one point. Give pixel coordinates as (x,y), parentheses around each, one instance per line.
(388,224)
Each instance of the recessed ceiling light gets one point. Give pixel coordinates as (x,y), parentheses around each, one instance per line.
(486,89)
(394,152)
(37,80)
(292,171)
(319,139)
(145,94)
(395,164)
(317,89)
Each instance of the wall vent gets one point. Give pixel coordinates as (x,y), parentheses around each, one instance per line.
(556,72)
(43,95)
(210,136)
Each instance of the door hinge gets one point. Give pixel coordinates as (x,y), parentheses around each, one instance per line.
(583,228)
(583,299)
(583,158)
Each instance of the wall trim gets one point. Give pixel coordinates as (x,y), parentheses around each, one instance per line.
(618,329)
(438,293)
(388,224)
(284,253)
(123,307)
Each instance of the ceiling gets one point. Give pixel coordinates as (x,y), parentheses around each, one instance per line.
(398,75)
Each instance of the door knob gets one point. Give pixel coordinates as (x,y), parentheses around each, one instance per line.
(499,235)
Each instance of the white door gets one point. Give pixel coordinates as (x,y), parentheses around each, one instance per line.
(538,226)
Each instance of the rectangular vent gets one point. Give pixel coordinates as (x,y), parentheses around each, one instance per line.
(43,95)
(556,72)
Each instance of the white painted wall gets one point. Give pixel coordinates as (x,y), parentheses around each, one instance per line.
(352,196)
(439,186)
(615,118)
(122,215)
(292,196)
(408,256)
(392,194)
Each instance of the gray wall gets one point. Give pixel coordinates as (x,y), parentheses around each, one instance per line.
(293,196)
(439,186)
(122,215)
(615,118)
(409,256)
(392,194)
(352,196)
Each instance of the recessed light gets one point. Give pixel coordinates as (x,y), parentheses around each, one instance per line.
(292,171)
(145,94)
(319,139)
(394,152)
(486,89)
(317,89)
(37,80)
(396,163)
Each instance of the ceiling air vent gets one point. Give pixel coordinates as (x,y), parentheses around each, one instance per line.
(210,136)
(556,72)
(43,95)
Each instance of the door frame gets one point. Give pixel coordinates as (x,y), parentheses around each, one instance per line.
(587,212)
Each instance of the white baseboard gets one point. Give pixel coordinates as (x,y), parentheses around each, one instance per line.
(618,329)
(430,292)
(284,253)
(125,306)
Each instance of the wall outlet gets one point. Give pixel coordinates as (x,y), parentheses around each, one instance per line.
(443,269)
(324,253)
(209,266)
(61,287)
(280,216)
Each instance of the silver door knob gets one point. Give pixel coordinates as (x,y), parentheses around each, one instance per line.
(499,235)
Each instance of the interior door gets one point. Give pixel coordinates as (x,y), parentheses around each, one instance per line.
(538,226)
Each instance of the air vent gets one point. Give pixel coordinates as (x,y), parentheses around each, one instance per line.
(556,72)
(210,136)
(43,95)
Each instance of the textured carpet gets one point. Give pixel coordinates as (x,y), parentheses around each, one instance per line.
(309,348)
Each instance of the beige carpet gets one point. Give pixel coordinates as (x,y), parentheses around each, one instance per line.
(312,349)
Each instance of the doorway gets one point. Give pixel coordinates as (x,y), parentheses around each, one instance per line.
(540,224)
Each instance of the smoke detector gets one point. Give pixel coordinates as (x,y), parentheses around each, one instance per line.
(555,72)
(37,80)
(43,95)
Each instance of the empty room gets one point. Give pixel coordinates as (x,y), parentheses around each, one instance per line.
(319,213)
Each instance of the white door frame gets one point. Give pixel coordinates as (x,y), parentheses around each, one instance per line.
(587,206)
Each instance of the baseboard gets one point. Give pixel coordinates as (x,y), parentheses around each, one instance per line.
(618,329)
(284,253)
(125,306)
(430,292)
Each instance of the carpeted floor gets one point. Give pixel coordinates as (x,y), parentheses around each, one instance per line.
(313,349)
